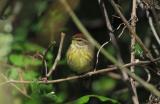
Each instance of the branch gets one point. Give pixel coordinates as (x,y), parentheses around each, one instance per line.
(113,39)
(156,19)
(152,10)
(132,59)
(84,75)
(89,74)
(152,27)
(58,55)
(16,87)
(77,22)
(147,52)
(99,50)
(109,27)
(44,58)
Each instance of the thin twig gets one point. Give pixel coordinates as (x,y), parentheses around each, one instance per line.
(23,88)
(122,32)
(153,28)
(148,74)
(112,36)
(113,40)
(109,27)
(58,55)
(99,50)
(44,57)
(137,63)
(155,17)
(146,51)
(156,49)
(12,84)
(119,26)
(132,59)
(80,26)
(114,75)
(101,3)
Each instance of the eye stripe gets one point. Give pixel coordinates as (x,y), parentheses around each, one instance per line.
(80,39)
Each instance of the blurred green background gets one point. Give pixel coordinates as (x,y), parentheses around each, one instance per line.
(28,27)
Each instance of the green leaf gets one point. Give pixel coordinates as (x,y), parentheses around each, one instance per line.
(28,47)
(33,47)
(41,94)
(138,50)
(23,61)
(30,75)
(35,89)
(85,99)
(103,85)
(41,89)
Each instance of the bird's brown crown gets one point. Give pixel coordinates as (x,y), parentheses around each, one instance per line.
(79,35)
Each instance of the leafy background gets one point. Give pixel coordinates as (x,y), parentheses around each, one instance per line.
(26,33)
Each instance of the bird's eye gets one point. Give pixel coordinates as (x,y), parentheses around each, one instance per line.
(79,40)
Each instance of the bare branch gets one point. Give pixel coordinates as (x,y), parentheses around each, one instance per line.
(106,54)
(112,36)
(137,63)
(99,50)
(153,28)
(109,27)
(15,86)
(132,59)
(148,74)
(44,58)
(147,52)
(121,32)
(58,55)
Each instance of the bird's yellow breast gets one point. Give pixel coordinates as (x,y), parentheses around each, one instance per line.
(80,58)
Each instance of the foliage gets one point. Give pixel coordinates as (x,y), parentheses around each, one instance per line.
(5,45)
(28,28)
(87,100)
(138,50)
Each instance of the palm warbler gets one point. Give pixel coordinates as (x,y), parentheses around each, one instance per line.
(80,54)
